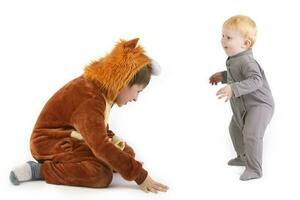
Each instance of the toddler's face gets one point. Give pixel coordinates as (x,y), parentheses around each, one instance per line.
(233,42)
(128,94)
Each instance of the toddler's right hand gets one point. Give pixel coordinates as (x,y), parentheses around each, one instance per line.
(215,78)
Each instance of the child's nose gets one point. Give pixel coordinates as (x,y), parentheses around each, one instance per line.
(222,41)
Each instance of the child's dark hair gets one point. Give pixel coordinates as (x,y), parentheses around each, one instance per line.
(142,77)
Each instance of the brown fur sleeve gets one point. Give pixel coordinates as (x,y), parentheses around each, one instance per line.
(128,149)
(88,119)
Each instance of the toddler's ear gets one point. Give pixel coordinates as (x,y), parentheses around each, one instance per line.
(131,43)
(248,43)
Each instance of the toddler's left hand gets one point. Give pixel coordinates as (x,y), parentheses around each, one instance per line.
(225,92)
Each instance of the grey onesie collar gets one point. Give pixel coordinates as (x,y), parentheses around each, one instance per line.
(248,53)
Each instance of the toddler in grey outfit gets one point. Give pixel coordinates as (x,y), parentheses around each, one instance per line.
(249,94)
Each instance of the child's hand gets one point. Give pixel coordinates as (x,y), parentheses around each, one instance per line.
(225,92)
(215,78)
(150,185)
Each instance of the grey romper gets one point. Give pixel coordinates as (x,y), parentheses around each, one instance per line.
(252,106)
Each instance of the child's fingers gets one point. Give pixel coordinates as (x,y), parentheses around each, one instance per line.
(213,80)
(222,96)
(152,189)
(145,190)
(160,187)
(227,98)
(220,92)
(164,187)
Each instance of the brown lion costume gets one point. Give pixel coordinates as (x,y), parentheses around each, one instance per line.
(71,137)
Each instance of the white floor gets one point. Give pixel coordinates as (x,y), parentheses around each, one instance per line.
(199,175)
(200,185)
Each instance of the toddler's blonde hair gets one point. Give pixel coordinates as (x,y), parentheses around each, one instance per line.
(244,25)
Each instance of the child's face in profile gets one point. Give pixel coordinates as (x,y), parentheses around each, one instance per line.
(128,94)
(233,42)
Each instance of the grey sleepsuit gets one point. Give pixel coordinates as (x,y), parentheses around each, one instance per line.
(252,106)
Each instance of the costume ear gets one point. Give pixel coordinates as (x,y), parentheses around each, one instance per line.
(156,69)
(131,43)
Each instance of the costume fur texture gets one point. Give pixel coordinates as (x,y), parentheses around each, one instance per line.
(115,70)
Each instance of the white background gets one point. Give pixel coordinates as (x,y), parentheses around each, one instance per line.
(178,127)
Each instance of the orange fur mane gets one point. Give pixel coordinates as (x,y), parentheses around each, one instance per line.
(114,71)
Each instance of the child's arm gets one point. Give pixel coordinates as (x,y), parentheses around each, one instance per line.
(127,149)
(88,119)
(253,80)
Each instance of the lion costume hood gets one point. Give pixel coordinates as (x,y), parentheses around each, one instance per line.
(114,71)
